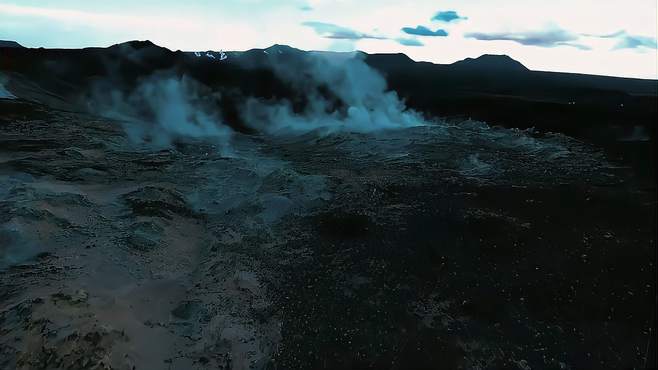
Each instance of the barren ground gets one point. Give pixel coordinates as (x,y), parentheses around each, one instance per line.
(445,247)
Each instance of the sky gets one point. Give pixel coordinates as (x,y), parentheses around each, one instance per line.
(604,37)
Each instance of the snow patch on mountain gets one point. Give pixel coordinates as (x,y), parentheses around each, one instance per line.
(214,55)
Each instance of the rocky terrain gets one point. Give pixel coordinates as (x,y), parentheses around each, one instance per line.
(448,245)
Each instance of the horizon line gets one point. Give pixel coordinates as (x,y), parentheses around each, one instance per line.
(333,51)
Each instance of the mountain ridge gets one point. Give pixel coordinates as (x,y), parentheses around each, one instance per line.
(493,62)
(10,44)
(472,88)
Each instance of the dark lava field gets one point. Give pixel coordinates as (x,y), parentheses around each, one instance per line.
(445,243)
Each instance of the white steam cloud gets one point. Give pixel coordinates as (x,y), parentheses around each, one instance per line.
(163,109)
(366,105)
(340,92)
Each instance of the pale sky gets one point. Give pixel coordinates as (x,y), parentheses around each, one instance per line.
(606,37)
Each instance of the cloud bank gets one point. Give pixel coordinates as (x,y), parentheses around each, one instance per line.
(409,42)
(545,38)
(448,16)
(332,31)
(424,31)
(635,42)
(627,41)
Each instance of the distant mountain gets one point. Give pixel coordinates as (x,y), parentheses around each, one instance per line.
(10,44)
(280,49)
(136,44)
(492,63)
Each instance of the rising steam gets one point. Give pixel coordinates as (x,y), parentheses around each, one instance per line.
(164,108)
(343,93)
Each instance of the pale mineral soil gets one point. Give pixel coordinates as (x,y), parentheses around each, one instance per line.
(449,246)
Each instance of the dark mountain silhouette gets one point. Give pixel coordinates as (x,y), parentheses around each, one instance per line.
(498,63)
(9,44)
(576,104)
(136,44)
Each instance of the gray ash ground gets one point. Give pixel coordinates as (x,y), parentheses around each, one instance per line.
(451,246)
